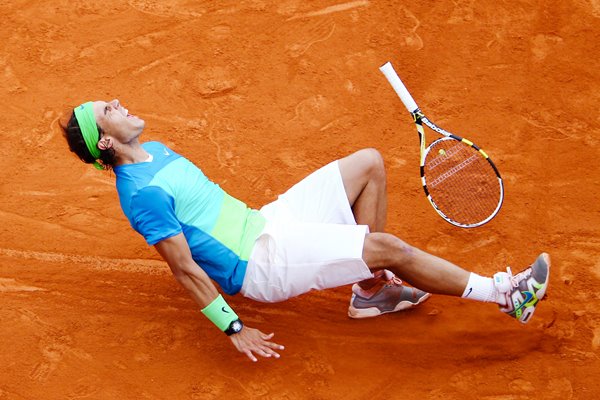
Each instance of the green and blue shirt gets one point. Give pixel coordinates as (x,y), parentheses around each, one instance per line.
(170,195)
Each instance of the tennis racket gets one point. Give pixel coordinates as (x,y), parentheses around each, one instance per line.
(461,182)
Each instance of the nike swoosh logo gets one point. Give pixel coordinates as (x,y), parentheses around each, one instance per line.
(528,298)
(166,152)
(469,292)
(224,310)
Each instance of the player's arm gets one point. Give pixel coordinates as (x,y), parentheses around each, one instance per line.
(176,252)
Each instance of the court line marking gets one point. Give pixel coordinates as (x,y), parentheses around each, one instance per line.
(332,9)
(153,267)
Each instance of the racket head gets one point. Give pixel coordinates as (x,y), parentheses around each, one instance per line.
(461,182)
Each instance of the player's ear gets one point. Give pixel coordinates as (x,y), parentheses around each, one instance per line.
(105,143)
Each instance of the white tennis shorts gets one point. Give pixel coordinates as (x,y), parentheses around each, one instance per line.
(310,241)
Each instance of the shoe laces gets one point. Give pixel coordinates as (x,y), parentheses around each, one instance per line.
(395,281)
(515,279)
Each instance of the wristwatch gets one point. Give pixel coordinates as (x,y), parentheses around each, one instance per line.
(235,327)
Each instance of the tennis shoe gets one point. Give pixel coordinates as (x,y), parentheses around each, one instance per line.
(387,294)
(523,292)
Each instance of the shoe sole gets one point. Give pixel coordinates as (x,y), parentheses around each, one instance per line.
(528,312)
(370,312)
(542,292)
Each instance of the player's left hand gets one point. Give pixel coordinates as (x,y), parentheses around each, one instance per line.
(251,341)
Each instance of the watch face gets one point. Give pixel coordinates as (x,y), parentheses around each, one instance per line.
(236,326)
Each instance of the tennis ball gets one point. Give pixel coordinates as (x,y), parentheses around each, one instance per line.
(442,152)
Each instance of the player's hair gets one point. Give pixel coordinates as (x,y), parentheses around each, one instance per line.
(72,133)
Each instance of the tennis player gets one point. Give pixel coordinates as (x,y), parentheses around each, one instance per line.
(326,231)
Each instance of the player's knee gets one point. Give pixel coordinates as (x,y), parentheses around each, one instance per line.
(373,161)
(400,251)
(385,249)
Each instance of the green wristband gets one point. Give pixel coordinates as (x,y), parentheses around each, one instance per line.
(220,313)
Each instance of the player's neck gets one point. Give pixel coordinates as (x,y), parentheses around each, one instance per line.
(131,153)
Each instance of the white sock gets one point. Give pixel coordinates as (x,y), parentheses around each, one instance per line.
(483,289)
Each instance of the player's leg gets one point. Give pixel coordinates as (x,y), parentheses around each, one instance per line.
(364,177)
(417,267)
(516,295)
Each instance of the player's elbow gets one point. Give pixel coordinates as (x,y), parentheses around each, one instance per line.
(179,274)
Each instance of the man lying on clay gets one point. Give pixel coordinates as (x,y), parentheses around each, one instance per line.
(326,231)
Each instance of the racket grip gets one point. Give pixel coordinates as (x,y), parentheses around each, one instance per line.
(399,87)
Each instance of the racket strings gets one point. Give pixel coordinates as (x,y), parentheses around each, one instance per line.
(461,182)
(454,170)
(437,161)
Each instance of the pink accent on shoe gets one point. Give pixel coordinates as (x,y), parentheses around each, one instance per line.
(372,286)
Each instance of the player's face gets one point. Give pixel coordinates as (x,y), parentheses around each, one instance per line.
(116,122)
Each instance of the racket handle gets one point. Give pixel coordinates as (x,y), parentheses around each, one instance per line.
(399,87)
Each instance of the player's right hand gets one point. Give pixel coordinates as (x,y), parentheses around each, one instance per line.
(251,341)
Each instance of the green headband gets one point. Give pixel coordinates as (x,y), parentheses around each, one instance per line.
(87,123)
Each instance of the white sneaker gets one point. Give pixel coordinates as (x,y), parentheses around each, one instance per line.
(525,290)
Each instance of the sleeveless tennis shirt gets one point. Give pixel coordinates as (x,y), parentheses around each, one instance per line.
(170,195)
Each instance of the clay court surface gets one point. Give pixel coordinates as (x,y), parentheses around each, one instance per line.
(258,94)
